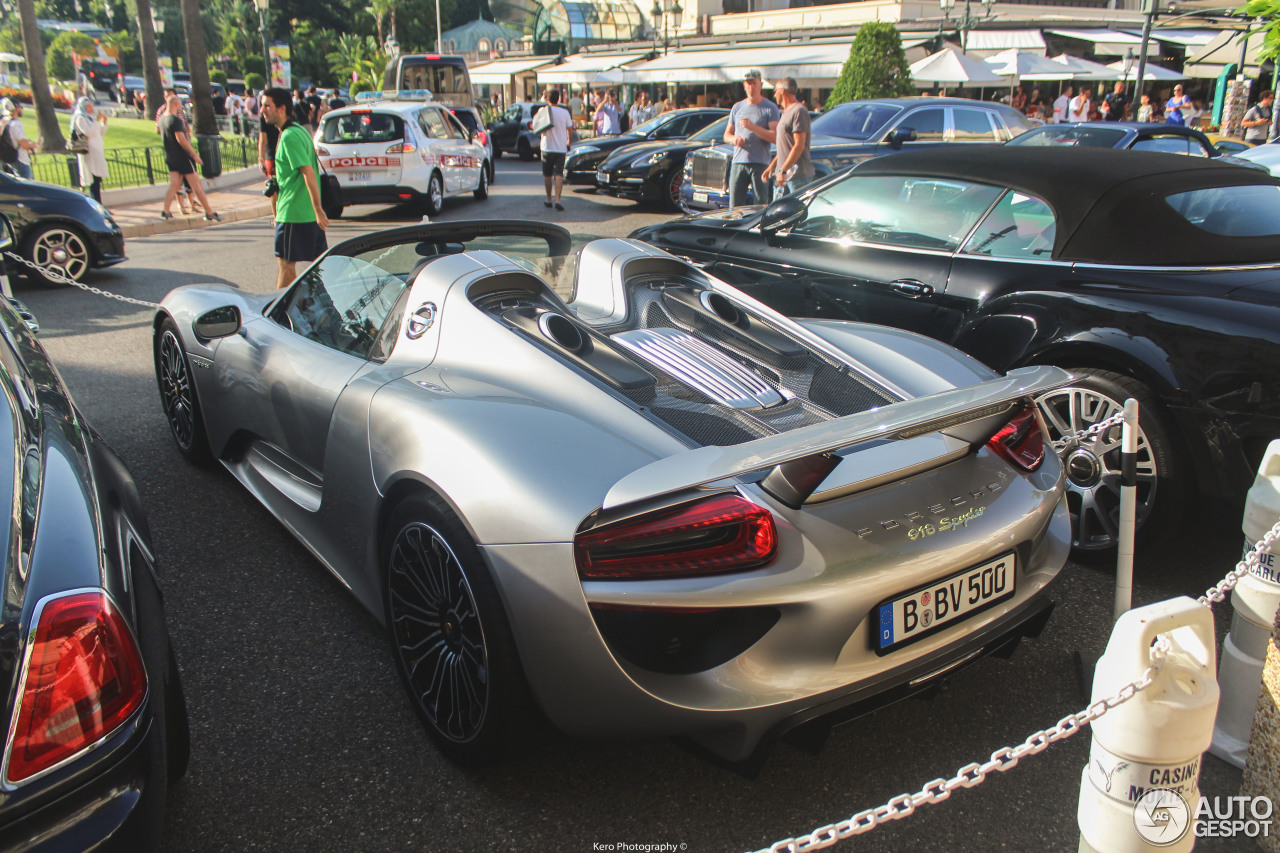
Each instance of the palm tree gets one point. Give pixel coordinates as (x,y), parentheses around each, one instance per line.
(198,66)
(150,58)
(380,9)
(46,119)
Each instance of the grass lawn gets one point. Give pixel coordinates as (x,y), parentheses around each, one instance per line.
(121,132)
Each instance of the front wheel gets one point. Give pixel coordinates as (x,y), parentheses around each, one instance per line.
(1093,467)
(61,252)
(452,641)
(435,194)
(178,396)
(673,183)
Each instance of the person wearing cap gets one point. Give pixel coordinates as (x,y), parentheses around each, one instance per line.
(791,167)
(752,128)
(12,125)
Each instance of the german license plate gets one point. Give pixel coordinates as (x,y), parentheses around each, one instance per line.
(360,176)
(930,608)
(602,177)
(699,196)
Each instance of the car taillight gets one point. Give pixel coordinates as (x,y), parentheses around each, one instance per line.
(1021,440)
(725,533)
(402,148)
(481,137)
(322,151)
(83,679)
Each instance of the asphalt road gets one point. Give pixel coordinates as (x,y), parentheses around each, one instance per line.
(304,741)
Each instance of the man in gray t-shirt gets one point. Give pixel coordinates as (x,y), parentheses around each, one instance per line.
(752,128)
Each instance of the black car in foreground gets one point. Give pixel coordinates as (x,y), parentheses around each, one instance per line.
(1155,277)
(91,702)
(64,232)
(653,171)
(585,157)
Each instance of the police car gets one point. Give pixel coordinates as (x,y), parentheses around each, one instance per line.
(396,147)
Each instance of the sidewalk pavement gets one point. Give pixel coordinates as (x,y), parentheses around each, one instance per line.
(234,204)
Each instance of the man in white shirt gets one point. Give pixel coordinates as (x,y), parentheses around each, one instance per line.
(1061,105)
(1081,106)
(11,124)
(555,141)
(575,105)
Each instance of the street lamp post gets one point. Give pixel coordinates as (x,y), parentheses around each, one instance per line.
(967,21)
(262,29)
(675,13)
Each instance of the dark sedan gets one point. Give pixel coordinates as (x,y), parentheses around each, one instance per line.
(1129,135)
(512,131)
(653,171)
(859,130)
(1152,277)
(586,156)
(93,709)
(63,232)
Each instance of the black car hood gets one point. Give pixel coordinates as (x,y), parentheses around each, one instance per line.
(50,191)
(674,146)
(1266,292)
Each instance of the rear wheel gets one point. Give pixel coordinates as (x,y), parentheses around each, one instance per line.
(482,189)
(452,641)
(178,396)
(673,182)
(1094,467)
(434,202)
(524,150)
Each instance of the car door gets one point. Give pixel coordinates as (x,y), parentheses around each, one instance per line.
(286,371)
(506,129)
(874,248)
(974,125)
(470,159)
(443,146)
(929,123)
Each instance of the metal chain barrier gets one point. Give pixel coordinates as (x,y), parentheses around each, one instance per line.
(59,277)
(1250,562)
(1093,431)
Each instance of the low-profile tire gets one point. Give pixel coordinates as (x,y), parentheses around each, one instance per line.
(178,396)
(672,182)
(450,635)
(482,189)
(60,249)
(433,202)
(1094,468)
(177,724)
(524,150)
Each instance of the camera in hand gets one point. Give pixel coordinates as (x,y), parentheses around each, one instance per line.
(271,188)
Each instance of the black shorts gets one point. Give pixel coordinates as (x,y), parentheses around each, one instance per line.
(300,241)
(552,163)
(183,166)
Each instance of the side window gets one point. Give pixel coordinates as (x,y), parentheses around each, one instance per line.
(897,211)
(341,303)
(433,124)
(973,126)
(1170,144)
(1020,226)
(929,124)
(455,127)
(513,113)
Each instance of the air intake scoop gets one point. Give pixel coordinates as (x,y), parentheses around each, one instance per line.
(701,366)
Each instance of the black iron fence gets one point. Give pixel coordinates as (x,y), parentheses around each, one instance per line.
(137,167)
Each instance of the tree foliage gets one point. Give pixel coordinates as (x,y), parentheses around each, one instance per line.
(58,58)
(876,67)
(1269,11)
(359,56)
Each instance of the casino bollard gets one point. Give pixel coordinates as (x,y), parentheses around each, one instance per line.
(1140,789)
(1262,770)
(1255,601)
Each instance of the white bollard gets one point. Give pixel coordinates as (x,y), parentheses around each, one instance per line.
(1128,507)
(1255,600)
(1140,789)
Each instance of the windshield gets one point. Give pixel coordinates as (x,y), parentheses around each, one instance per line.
(645,128)
(1085,137)
(363,127)
(713,132)
(855,121)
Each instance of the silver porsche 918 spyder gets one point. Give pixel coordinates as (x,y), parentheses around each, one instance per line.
(611,488)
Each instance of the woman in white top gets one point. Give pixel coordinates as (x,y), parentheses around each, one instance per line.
(93,164)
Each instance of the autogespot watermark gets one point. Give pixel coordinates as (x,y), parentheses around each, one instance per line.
(629,847)
(1162,817)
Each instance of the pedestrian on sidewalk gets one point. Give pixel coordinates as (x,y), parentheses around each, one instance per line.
(12,128)
(300,219)
(186,198)
(554,144)
(91,126)
(181,159)
(791,167)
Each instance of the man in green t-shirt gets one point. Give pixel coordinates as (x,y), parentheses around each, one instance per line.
(300,220)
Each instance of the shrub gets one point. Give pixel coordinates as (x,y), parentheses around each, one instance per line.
(876,67)
(360,86)
(255,81)
(217,75)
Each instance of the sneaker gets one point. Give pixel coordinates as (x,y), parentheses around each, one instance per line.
(559,206)
(164,214)
(212,217)
(546,204)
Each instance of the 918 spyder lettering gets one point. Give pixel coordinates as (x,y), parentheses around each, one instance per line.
(945,524)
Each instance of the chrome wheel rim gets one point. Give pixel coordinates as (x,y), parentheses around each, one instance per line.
(437,194)
(61,252)
(677,180)
(437,632)
(1093,467)
(175,390)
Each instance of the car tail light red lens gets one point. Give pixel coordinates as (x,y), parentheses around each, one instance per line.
(725,533)
(482,137)
(1021,440)
(402,148)
(84,679)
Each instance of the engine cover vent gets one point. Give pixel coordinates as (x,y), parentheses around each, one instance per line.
(701,366)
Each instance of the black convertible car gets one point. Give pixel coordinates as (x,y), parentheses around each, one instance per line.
(1156,277)
(90,698)
(60,230)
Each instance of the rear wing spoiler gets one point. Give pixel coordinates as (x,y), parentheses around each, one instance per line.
(794,463)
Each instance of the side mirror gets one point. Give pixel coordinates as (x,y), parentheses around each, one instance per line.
(900,135)
(785,212)
(218,323)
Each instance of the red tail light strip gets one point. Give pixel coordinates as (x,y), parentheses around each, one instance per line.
(1021,440)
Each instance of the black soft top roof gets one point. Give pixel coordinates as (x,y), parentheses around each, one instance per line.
(1109,204)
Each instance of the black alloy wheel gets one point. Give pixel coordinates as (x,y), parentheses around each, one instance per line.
(1093,467)
(452,642)
(482,189)
(178,396)
(524,150)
